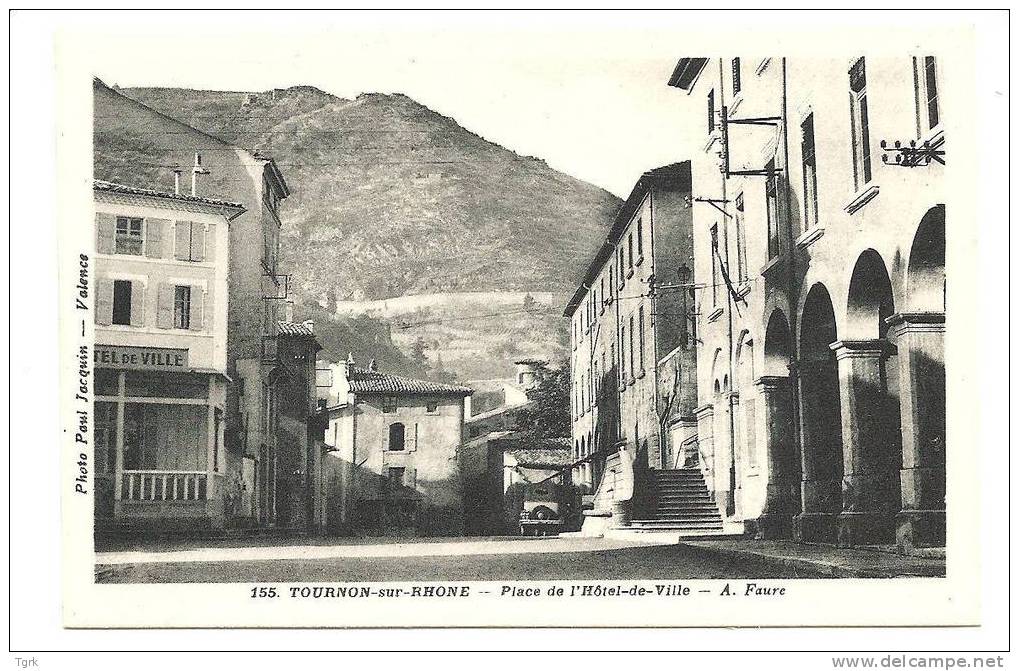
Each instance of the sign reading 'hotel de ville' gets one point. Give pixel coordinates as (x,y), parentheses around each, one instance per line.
(142,358)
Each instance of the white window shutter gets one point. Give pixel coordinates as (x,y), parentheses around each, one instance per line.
(411,477)
(106,226)
(385,439)
(182,241)
(104,302)
(154,238)
(137,304)
(164,306)
(197,317)
(210,243)
(197,241)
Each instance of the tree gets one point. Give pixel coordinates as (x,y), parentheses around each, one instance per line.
(528,302)
(549,416)
(417,352)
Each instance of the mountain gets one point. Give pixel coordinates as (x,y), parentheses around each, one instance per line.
(391,199)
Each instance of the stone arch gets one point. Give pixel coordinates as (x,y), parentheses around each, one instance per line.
(870,394)
(775,391)
(925,272)
(778,345)
(820,418)
(870,301)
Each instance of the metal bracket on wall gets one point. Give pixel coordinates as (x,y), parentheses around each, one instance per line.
(750,121)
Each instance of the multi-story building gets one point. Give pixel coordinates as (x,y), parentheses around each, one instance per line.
(633,361)
(820,248)
(160,356)
(137,145)
(393,464)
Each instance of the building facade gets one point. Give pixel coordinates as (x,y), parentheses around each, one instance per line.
(633,360)
(393,463)
(820,250)
(137,145)
(160,356)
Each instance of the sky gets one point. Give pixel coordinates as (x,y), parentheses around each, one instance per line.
(590,99)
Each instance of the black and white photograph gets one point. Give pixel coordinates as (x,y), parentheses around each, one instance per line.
(432,319)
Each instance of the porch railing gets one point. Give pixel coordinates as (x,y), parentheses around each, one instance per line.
(165,486)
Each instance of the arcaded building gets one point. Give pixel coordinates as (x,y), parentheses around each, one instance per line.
(820,267)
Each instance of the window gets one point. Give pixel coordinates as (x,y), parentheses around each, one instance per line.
(641,341)
(860,123)
(711,111)
(601,292)
(433,405)
(122,302)
(771,203)
(610,279)
(809,172)
(736,83)
(640,238)
(129,236)
(181,307)
(630,343)
(622,271)
(629,249)
(388,404)
(622,354)
(395,476)
(397,435)
(741,241)
(714,265)
(930,76)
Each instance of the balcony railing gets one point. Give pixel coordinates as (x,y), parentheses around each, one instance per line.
(165,486)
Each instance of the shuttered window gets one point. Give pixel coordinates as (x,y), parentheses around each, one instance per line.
(931,90)
(809,172)
(122,302)
(861,123)
(771,201)
(741,242)
(182,307)
(737,81)
(129,238)
(189,241)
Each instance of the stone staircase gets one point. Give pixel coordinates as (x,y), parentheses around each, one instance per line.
(680,503)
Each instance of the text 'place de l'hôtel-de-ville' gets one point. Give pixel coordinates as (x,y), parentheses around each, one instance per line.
(756,348)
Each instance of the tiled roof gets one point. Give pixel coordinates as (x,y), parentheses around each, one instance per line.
(363,381)
(295,329)
(111,187)
(543,457)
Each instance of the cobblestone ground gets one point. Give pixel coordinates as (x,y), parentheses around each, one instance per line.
(493,559)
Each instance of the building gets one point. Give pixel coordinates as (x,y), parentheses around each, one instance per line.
(137,145)
(507,414)
(502,470)
(820,244)
(633,359)
(392,466)
(160,357)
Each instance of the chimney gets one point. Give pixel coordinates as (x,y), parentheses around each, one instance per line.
(176,180)
(288,311)
(373,366)
(195,172)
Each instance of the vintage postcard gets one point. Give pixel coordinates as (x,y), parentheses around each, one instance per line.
(466,323)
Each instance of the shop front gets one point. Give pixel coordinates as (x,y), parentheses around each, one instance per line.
(159,439)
